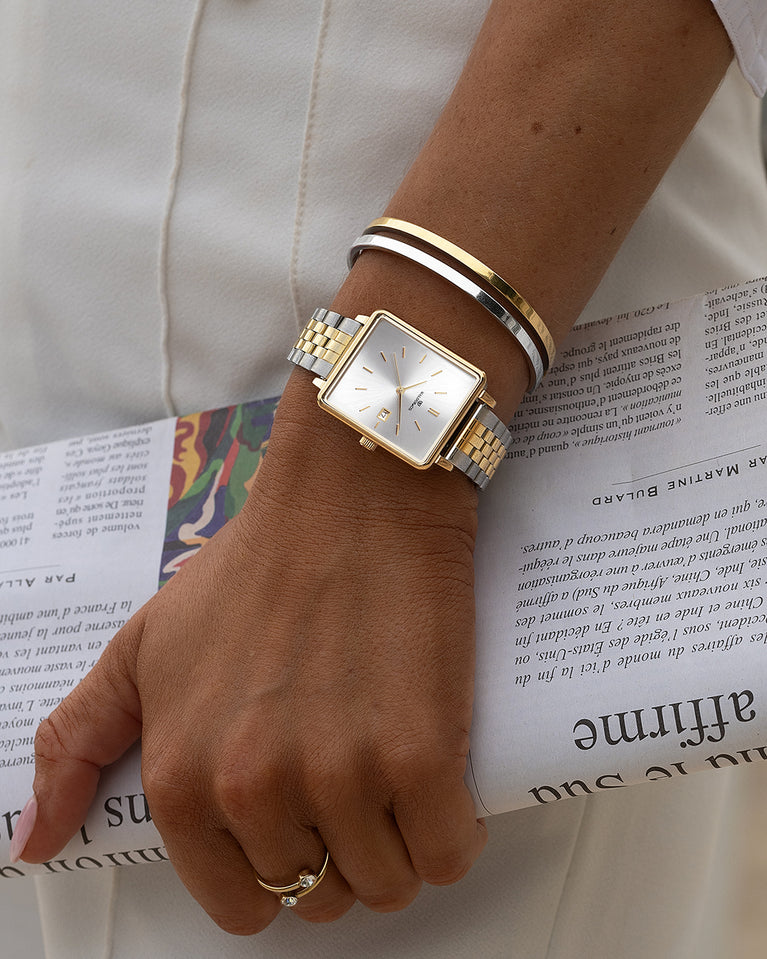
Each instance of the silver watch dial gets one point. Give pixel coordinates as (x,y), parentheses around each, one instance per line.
(402,390)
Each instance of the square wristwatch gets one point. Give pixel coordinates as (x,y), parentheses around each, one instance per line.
(403,391)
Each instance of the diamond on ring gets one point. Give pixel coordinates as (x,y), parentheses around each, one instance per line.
(292,892)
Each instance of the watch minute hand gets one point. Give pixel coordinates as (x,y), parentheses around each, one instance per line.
(410,387)
(399,395)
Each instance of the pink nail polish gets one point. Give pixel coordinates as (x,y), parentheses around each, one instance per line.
(23,830)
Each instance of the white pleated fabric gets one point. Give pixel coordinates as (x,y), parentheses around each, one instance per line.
(746,23)
(179,183)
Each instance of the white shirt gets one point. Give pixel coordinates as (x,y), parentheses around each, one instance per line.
(746,24)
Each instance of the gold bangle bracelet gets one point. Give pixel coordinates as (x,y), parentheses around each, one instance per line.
(381,241)
(475,266)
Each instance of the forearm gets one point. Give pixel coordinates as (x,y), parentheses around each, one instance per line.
(559,129)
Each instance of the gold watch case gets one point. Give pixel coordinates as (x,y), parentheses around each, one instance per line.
(402,390)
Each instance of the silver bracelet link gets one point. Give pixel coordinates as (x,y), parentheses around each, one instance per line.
(322,341)
(481,447)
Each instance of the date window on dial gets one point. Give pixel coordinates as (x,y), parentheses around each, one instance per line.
(384,414)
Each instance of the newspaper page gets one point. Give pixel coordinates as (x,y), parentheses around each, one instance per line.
(620,569)
(82,524)
(621,574)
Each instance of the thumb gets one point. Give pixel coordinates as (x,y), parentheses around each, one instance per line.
(88,730)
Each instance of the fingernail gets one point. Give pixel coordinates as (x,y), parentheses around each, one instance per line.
(23,829)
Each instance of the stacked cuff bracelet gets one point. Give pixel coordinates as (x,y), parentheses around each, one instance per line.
(375,241)
(539,348)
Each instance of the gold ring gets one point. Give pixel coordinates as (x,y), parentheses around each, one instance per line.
(306,882)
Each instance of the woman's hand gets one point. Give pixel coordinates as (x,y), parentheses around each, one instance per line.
(305,682)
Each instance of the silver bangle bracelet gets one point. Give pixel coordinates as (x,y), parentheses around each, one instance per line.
(377,241)
(436,243)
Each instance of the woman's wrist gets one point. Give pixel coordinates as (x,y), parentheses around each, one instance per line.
(332,449)
(437,309)
(317,467)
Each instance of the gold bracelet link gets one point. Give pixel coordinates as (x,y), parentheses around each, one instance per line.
(484,448)
(481,447)
(322,341)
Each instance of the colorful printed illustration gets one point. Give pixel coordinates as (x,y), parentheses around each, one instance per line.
(215,458)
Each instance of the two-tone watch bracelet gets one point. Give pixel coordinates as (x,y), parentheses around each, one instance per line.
(478,445)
